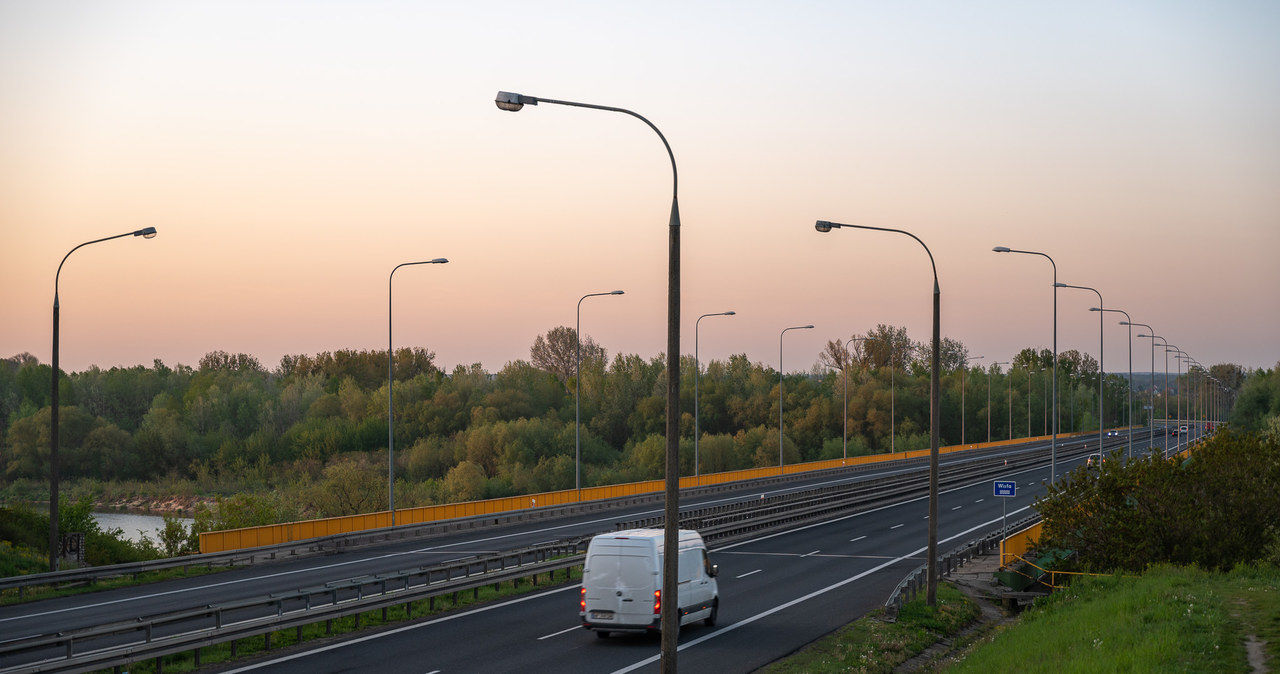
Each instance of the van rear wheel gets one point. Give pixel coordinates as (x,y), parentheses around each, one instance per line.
(710,621)
(601,634)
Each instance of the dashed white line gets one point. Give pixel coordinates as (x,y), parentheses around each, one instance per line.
(855,540)
(957,507)
(556,634)
(749,573)
(897,525)
(811,553)
(980,500)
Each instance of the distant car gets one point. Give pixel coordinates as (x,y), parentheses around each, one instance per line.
(1183,430)
(1173,431)
(1113,433)
(1095,461)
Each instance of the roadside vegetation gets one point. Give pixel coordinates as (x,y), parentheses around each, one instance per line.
(232,443)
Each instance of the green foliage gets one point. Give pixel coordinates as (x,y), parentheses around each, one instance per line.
(1216,510)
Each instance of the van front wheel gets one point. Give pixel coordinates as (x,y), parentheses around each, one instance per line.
(710,621)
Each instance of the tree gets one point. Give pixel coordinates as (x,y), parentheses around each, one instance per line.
(557,352)
(351,486)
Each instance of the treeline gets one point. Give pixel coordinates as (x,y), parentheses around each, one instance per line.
(316,426)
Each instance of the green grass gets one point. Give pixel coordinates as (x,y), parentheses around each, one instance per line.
(873,645)
(1169,619)
(39,592)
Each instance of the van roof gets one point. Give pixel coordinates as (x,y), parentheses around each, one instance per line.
(687,536)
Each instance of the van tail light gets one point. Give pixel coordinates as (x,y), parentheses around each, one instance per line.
(582,600)
(657,602)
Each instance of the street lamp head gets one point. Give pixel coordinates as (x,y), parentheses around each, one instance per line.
(440,260)
(730,313)
(616,292)
(510,102)
(806,327)
(1000,249)
(1094,309)
(1061,285)
(146,233)
(824,226)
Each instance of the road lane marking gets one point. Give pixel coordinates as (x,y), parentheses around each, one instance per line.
(957,507)
(897,525)
(556,634)
(811,553)
(749,573)
(980,500)
(835,586)
(855,540)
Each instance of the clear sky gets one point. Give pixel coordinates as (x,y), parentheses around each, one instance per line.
(292,153)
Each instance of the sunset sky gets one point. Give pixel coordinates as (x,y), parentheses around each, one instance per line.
(292,153)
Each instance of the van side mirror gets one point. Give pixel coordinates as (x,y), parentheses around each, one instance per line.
(715,570)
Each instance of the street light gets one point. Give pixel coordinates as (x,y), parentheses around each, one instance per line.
(54,542)
(845,437)
(1151,395)
(577,395)
(1053,440)
(964,366)
(1180,355)
(391,425)
(781,375)
(697,374)
(993,366)
(670,622)
(1102,376)
(935,407)
(1129,418)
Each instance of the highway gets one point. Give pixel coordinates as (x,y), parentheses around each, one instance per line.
(778,591)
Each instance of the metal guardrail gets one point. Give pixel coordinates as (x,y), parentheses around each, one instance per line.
(125,642)
(915,581)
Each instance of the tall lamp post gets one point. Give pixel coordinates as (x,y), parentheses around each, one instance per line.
(54,541)
(781,376)
(993,366)
(1178,356)
(1129,417)
(935,407)
(697,374)
(1053,440)
(391,385)
(845,438)
(1151,395)
(963,367)
(670,622)
(1102,375)
(577,395)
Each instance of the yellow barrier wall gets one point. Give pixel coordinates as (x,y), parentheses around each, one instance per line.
(252,537)
(1018,543)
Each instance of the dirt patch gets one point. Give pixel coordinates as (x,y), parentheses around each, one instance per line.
(1257,651)
(975,581)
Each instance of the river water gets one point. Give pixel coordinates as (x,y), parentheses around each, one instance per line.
(134,525)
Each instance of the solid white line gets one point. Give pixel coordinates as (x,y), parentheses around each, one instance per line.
(729,628)
(897,525)
(749,573)
(556,634)
(398,630)
(855,540)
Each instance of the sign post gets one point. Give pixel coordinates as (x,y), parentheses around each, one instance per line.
(1004,490)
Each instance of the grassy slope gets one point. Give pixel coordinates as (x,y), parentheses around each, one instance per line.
(1169,619)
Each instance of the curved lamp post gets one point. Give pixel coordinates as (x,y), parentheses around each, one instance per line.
(54,542)
(513,102)
(697,375)
(935,407)
(1129,417)
(781,376)
(391,424)
(993,366)
(845,437)
(577,395)
(1102,375)
(1053,440)
(1164,394)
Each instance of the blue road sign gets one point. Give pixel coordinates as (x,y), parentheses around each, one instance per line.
(1005,488)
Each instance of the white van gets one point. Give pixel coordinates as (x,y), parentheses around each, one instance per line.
(622,582)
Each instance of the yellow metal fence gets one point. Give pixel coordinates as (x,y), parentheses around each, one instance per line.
(273,534)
